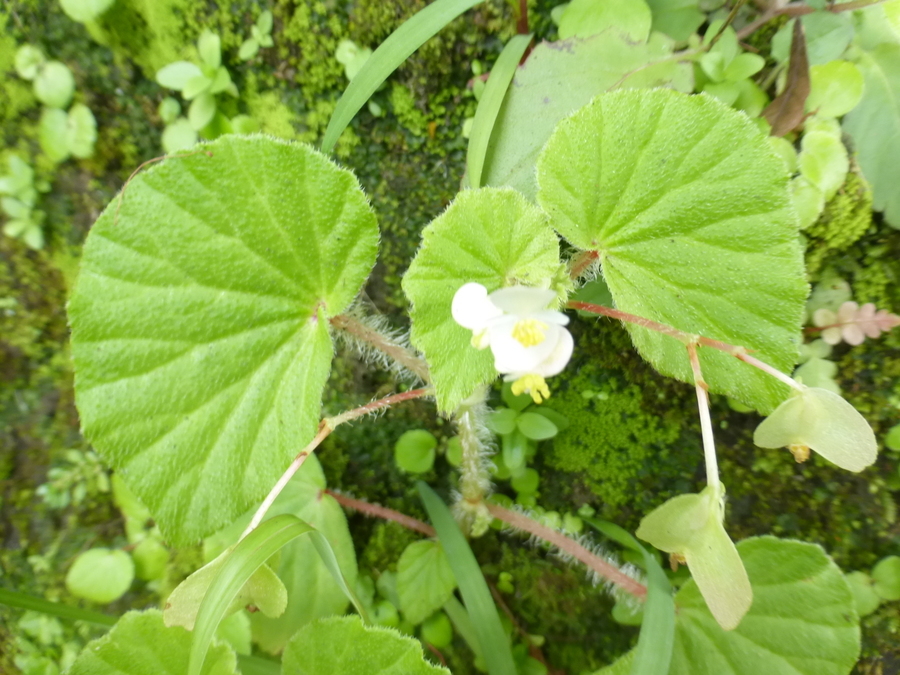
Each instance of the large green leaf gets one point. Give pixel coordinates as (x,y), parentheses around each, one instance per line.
(492,236)
(199,322)
(875,127)
(312,590)
(689,210)
(556,80)
(140,644)
(802,622)
(425,580)
(344,646)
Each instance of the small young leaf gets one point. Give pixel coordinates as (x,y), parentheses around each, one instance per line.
(81,132)
(210,47)
(176,75)
(150,559)
(264,22)
(248,49)
(100,575)
(424,580)
(864,596)
(490,236)
(344,646)
(836,88)
(53,134)
(824,161)
(414,451)
(85,11)
(29,60)
(140,644)
(202,111)
(54,85)
(678,19)
(536,427)
(179,135)
(827,36)
(502,421)
(886,577)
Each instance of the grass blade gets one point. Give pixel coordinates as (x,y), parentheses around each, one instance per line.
(239,566)
(459,617)
(32,602)
(488,108)
(653,653)
(398,47)
(494,643)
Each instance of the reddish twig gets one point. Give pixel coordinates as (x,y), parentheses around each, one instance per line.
(581,262)
(376,511)
(606,570)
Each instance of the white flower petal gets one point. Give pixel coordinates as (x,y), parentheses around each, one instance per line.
(511,356)
(522,299)
(551,316)
(471,307)
(559,357)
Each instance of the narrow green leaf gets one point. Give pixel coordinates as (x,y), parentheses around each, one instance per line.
(239,566)
(314,591)
(345,646)
(459,617)
(491,236)
(494,642)
(689,210)
(199,322)
(654,648)
(398,47)
(12,598)
(489,105)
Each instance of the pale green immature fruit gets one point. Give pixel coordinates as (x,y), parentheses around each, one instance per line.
(823,422)
(690,527)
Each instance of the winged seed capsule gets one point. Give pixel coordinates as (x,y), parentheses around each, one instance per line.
(529,342)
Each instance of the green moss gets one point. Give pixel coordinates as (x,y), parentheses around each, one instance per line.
(409,116)
(611,437)
(273,115)
(385,546)
(845,219)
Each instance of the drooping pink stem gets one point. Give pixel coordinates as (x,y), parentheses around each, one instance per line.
(376,511)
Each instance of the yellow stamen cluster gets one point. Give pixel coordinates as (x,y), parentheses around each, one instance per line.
(529,332)
(800,452)
(534,385)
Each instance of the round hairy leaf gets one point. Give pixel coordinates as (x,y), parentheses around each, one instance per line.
(414,451)
(802,621)
(492,236)
(100,575)
(199,322)
(344,646)
(688,208)
(424,580)
(140,644)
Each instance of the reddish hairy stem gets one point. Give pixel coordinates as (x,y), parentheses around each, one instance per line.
(369,408)
(581,262)
(376,511)
(397,352)
(571,547)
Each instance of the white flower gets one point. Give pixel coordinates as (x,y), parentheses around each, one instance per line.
(529,341)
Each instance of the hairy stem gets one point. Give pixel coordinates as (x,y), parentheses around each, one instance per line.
(326,426)
(709,443)
(473,478)
(376,511)
(392,349)
(581,262)
(571,547)
(740,353)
